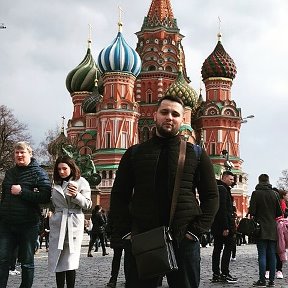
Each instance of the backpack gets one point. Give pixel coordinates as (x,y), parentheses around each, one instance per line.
(249,227)
(198,151)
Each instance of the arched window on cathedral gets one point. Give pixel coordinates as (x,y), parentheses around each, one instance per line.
(104,174)
(112,91)
(108,139)
(213,149)
(168,68)
(151,68)
(149,97)
(240,178)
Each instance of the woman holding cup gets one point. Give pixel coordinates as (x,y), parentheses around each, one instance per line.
(70,195)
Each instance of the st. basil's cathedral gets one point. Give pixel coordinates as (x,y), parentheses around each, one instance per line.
(115,97)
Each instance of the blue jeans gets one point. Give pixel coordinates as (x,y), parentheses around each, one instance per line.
(24,237)
(266,248)
(188,274)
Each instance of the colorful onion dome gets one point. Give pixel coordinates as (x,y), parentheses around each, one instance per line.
(182,89)
(55,147)
(82,77)
(119,57)
(219,63)
(90,102)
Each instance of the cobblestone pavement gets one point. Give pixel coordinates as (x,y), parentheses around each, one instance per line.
(95,271)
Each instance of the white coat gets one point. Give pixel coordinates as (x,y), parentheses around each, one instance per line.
(67,226)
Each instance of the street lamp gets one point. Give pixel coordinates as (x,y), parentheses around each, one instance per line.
(245,119)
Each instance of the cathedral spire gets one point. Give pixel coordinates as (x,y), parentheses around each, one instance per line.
(120,23)
(62,127)
(89,36)
(161,14)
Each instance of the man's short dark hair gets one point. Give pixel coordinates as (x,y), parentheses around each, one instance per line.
(263,178)
(171,98)
(226,173)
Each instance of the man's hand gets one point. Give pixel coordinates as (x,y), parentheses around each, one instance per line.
(189,236)
(16,189)
(225,232)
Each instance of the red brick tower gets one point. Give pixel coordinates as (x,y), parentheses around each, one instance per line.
(117,113)
(218,121)
(158,46)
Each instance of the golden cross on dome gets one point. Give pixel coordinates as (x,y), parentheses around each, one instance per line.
(120,24)
(219,29)
(89,36)
(62,128)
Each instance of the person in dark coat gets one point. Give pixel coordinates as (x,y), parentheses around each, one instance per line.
(223,230)
(265,207)
(24,187)
(119,246)
(142,193)
(98,230)
(45,230)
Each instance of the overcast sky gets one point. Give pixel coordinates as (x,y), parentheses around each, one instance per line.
(45,40)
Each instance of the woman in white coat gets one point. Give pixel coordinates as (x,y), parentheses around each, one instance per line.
(71,193)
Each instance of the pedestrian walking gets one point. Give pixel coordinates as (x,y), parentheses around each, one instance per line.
(265,208)
(283,195)
(142,193)
(24,188)
(223,230)
(70,195)
(44,234)
(98,231)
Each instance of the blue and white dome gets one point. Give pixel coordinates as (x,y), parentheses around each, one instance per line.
(119,57)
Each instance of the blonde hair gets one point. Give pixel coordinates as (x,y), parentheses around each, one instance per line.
(22,145)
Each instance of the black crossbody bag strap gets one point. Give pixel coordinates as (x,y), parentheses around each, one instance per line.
(181,160)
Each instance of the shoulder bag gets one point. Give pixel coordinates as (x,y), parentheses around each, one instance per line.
(153,249)
(249,227)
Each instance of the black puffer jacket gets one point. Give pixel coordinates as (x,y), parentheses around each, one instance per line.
(116,240)
(135,202)
(36,189)
(224,219)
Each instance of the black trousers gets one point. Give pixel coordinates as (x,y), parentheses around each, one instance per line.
(221,242)
(93,239)
(116,262)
